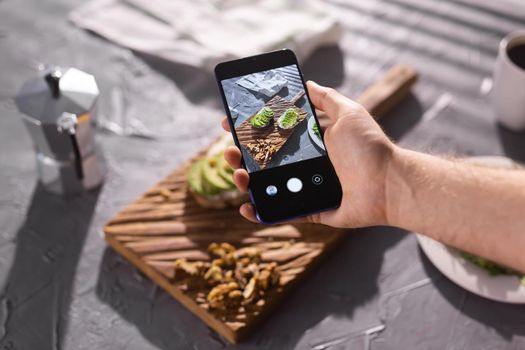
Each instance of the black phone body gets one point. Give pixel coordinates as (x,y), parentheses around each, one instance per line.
(296,178)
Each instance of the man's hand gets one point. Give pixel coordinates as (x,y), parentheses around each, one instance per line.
(476,209)
(360,153)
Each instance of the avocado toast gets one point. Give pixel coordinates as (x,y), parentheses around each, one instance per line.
(263,118)
(211,184)
(288,119)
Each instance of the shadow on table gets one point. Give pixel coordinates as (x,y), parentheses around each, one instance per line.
(37,292)
(403,117)
(342,282)
(325,65)
(513,143)
(197,84)
(505,319)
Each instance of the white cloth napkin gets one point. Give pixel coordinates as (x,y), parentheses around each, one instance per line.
(203,33)
(267,83)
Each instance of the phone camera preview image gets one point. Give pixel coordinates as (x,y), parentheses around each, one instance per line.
(273,119)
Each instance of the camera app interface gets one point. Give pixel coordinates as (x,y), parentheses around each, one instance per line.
(273,118)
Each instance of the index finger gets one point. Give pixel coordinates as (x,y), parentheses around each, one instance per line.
(225,125)
(328,100)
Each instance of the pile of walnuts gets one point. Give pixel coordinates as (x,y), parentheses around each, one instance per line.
(236,277)
(262,149)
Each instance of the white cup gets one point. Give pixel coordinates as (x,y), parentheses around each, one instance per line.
(509,85)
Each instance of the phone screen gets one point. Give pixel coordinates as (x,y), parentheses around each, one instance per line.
(273,119)
(277,131)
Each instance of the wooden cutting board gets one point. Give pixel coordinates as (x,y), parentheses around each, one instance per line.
(276,136)
(166,223)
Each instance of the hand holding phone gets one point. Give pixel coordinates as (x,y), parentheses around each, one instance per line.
(276,129)
(359,151)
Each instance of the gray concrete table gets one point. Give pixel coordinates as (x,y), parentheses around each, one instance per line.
(63,289)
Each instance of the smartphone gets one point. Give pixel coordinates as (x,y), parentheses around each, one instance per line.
(275,126)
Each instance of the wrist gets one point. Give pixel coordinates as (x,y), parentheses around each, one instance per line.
(395,185)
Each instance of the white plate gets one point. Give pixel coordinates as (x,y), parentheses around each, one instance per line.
(507,289)
(317,141)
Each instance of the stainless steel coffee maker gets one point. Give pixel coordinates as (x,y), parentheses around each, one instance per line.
(59,111)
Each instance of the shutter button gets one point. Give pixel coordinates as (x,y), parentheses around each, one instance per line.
(294,185)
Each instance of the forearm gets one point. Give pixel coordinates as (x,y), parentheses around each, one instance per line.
(477,209)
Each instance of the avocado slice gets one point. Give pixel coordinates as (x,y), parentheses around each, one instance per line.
(213,183)
(225,170)
(194,177)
